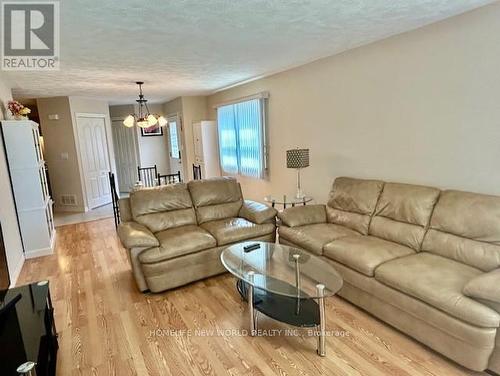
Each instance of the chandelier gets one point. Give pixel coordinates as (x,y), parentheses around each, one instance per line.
(144,119)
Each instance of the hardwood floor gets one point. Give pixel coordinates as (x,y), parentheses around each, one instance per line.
(106,327)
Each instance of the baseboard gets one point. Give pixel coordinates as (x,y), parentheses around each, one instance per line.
(43,251)
(70,209)
(39,253)
(16,272)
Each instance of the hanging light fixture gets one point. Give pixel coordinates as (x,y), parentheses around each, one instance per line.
(144,119)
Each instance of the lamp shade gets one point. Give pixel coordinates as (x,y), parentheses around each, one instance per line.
(297,158)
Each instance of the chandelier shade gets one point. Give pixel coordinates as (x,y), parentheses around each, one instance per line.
(162,121)
(144,119)
(129,121)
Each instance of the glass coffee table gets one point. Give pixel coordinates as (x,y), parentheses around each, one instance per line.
(284,283)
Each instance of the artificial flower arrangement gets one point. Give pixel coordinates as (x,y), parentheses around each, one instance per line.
(18,110)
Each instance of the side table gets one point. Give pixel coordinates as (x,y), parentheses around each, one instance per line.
(287,200)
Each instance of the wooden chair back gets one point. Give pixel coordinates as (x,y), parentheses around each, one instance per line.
(169,178)
(147,175)
(114,198)
(197,172)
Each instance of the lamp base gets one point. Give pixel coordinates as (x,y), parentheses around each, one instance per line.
(299,194)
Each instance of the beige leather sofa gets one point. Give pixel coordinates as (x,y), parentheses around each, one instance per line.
(174,234)
(423,260)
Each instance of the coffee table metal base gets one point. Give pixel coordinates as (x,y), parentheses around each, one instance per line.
(300,312)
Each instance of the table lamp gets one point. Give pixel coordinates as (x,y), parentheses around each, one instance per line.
(298,159)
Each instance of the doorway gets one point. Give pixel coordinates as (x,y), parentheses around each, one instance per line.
(175,144)
(94,158)
(126,154)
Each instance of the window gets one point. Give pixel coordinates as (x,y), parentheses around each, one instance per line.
(174,139)
(242,137)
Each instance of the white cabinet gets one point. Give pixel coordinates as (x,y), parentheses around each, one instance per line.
(206,148)
(30,186)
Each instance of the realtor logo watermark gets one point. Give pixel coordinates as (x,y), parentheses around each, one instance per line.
(30,35)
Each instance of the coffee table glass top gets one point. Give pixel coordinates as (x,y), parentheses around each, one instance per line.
(282,270)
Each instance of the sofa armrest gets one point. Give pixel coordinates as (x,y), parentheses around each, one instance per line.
(256,212)
(303,215)
(133,235)
(485,287)
(124,207)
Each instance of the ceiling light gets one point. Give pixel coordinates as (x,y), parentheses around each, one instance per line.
(129,121)
(151,120)
(143,123)
(162,121)
(143,119)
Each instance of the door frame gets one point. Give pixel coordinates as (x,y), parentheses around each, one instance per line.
(76,135)
(136,143)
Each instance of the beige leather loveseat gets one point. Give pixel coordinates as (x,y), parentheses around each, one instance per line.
(424,260)
(174,234)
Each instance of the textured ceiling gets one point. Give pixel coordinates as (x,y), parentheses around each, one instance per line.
(190,47)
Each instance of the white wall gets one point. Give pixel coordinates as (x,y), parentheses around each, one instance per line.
(421,107)
(8,218)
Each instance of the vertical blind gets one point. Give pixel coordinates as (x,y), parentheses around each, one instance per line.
(241,138)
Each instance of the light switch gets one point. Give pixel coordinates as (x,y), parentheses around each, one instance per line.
(64,156)
(54,117)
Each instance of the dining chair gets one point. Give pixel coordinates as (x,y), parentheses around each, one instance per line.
(196,172)
(169,178)
(147,175)
(114,198)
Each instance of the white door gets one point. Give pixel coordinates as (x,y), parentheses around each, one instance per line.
(198,144)
(94,159)
(124,140)
(175,144)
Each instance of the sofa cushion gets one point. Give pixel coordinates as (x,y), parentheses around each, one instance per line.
(178,241)
(257,212)
(159,199)
(485,286)
(466,227)
(439,282)
(214,191)
(467,344)
(166,220)
(231,230)
(218,212)
(164,207)
(352,202)
(314,237)
(303,215)
(135,235)
(364,253)
(216,198)
(403,213)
